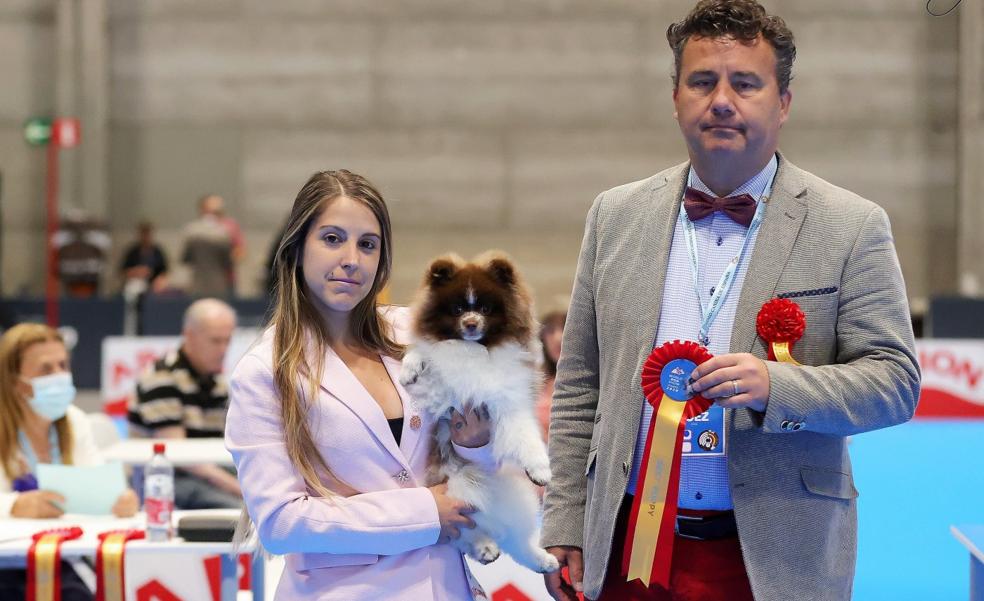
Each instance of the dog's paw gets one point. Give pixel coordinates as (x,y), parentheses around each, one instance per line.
(411,372)
(547,563)
(539,475)
(486,552)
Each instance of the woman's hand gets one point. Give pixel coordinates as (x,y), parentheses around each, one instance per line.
(126,505)
(452,513)
(472,429)
(38,504)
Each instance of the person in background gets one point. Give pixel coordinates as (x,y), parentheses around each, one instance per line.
(551,334)
(185,395)
(39,424)
(143,260)
(208,251)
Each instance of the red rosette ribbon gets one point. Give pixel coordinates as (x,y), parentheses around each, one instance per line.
(110,584)
(781,322)
(44,563)
(649,537)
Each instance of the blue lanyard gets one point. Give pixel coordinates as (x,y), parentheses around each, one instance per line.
(28,451)
(708,315)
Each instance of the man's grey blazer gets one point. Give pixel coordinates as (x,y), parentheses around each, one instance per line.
(790,473)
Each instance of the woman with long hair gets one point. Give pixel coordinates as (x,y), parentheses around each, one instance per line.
(39,424)
(330,450)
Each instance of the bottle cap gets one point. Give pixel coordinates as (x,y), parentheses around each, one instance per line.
(158,448)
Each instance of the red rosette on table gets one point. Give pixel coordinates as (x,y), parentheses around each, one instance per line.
(781,323)
(649,537)
(44,563)
(109,563)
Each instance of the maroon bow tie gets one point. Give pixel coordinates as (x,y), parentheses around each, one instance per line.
(741,208)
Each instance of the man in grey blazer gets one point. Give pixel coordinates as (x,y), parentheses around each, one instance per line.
(768,511)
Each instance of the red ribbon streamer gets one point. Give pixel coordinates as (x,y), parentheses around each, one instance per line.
(651,371)
(61,535)
(126,535)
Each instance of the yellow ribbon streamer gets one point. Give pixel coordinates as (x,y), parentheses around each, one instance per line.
(655,482)
(782,353)
(112,564)
(45,566)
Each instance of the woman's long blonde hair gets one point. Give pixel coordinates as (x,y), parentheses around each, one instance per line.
(13,346)
(300,334)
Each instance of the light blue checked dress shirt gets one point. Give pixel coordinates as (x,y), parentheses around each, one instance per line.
(703,480)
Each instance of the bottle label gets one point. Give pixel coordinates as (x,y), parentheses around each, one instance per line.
(158,512)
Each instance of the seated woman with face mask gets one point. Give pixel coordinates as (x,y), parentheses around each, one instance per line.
(38,423)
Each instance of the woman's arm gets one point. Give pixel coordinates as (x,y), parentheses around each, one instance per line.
(287,517)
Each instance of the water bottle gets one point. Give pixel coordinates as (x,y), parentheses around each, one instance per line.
(159,495)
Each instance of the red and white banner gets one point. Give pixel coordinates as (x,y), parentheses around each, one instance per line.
(952,378)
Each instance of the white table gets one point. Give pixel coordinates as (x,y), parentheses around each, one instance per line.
(181,452)
(15,540)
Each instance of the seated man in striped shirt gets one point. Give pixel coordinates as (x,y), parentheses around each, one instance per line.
(185,396)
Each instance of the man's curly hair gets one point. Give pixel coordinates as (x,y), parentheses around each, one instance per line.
(742,20)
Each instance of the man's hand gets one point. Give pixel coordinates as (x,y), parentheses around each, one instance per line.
(556,586)
(733,380)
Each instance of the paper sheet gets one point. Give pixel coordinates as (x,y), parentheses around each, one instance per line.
(91,489)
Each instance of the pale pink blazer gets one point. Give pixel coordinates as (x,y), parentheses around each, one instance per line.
(376,540)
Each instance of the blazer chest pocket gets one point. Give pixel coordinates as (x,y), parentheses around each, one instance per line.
(828,483)
(315,561)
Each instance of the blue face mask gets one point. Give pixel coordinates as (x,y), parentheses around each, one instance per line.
(52,395)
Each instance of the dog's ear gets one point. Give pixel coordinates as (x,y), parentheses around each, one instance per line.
(502,271)
(440,272)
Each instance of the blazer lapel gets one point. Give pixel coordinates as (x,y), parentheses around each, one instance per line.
(784,215)
(410,436)
(338,380)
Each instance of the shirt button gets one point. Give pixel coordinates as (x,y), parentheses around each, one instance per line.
(712,290)
(699,496)
(720,241)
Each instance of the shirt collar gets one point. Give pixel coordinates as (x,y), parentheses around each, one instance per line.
(760,185)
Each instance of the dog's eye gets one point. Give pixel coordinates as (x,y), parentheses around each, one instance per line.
(458,310)
(485,309)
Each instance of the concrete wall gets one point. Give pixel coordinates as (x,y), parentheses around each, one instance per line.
(485,123)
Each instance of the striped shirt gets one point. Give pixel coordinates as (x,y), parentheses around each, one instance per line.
(704,481)
(174,394)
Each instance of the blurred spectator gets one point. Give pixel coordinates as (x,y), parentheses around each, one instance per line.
(213,204)
(39,424)
(185,395)
(208,250)
(81,245)
(551,334)
(144,259)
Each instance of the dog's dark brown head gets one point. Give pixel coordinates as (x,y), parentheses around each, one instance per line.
(484,301)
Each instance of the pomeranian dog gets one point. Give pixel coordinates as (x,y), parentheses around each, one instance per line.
(473,341)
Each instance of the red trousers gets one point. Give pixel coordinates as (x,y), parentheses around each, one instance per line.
(702,570)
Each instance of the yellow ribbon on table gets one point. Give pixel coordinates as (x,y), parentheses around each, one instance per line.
(44,563)
(109,563)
